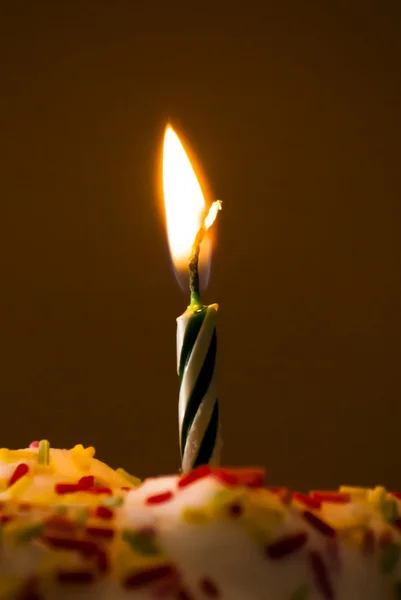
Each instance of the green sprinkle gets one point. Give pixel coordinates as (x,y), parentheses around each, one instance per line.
(61,509)
(44,452)
(26,534)
(389,510)
(389,558)
(142,542)
(130,478)
(82,516)
(397,590)
(300,593)
(113,501)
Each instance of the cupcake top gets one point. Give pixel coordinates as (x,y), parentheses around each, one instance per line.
(71,524)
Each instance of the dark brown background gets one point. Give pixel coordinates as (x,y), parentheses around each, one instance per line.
(294,110)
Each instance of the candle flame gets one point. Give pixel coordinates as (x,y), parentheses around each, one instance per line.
(184,204)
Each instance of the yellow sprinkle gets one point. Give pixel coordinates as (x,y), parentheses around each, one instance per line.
(16,455)
(377,496)
(195,516)
(82,456)
(43,469)
(3,484)
(135,481)
(357,493)
(20,486)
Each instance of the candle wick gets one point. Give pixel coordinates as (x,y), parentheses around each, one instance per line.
(194,268)
(207,220)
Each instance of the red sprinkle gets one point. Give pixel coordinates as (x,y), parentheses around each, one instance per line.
(334,497)
(67,488)
(252,477)
(74,576)
(103,512)
(396,495)
(34,444)
(192,476)
(86,547)
(283,493)
(86,482)
(21,470)
(103,532)
(318,524)
(286,545)
(5,519)
(226,476)
(159,498)
(209,588)
(320,575)
(307,500)
(60,523)
(125,488)
(100,489)
(146,576)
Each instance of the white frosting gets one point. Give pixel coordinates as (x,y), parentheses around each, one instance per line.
(229,552)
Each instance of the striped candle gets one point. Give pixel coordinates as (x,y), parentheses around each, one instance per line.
(198,408)
(188,221)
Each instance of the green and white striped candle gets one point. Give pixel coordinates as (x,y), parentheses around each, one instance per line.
(198,408)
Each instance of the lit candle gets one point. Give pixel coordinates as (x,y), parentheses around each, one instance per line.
(187,223)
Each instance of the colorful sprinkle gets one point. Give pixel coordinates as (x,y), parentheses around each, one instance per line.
(44,452)
(21,470)
(82,456)
(100,532)
(113,502)
(87,481)
(43,469)
(86,547)
(333,497)
(159,498)
(195,516)
(99,489)
(319,524)
(67,488)
(143,542)
(103,512)
(29,532)
(286,545)
(307,500)
(16,455)
(144,577)
(34,444)
(135,481)
(195,475)
(20,486)
(320,574)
